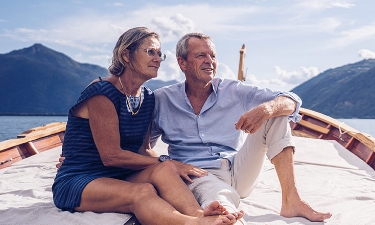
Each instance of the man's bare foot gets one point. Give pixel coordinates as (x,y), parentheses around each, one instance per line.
(302,209)
(215,208)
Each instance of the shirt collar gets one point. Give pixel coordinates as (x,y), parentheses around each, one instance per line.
(215,85)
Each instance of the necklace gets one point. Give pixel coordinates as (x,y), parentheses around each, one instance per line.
(128,101)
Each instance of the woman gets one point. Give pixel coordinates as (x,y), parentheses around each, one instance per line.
(109,165)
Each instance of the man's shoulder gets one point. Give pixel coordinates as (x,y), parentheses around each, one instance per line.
(224,83)
(168,88)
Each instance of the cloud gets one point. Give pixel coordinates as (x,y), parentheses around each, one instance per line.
(342,5)
(319,5)
(265,83)
(366,54)
(223,71)
(173,27)
(92,30)
(183,18)
(296,77)
(285,80)
(352,36)
(76,37)
(169,69)
(118,4)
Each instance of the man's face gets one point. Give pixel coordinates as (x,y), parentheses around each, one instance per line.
(201,60)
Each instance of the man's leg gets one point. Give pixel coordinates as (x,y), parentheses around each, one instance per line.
(292,205)
(210,188)
(270,139)
(214,186)
(273,139)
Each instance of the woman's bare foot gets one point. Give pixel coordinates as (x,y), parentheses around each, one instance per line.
(215,208)
(302,209)
(228,219)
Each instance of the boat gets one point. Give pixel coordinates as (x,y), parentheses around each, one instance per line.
(312,125)
(31,142)
(334,169)
(316,125)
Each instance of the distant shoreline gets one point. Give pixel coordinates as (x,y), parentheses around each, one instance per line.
(32,114)
(66,114)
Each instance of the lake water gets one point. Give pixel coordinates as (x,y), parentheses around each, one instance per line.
(11,126)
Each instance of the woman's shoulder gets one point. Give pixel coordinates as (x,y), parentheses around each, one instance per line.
(99,86)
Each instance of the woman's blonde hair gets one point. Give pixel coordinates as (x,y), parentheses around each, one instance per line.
(130,40)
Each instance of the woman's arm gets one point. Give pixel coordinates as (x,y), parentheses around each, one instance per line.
(104,125)
(146,146)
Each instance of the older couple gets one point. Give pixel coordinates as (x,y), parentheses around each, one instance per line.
(218,131)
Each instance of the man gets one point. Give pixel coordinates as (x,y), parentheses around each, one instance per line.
(227,128)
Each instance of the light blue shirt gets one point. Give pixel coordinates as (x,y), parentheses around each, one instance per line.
(203,140)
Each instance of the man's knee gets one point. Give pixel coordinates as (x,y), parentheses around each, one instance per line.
(209,188)
(281,122)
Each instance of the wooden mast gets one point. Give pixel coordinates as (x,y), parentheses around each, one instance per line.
(241,74)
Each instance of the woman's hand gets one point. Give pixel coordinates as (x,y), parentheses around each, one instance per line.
(61,160)
(187,170)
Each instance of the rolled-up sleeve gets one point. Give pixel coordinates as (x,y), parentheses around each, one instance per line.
(295,116)
(253,96)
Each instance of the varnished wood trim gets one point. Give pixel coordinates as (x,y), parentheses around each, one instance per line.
(313,126)
(34,134)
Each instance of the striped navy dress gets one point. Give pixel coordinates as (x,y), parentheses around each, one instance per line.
(82,162)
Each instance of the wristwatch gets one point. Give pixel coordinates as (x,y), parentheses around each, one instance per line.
(163,158)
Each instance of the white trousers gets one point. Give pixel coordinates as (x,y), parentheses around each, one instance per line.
(230,183)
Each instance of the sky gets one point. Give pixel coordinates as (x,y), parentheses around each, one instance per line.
(287,41)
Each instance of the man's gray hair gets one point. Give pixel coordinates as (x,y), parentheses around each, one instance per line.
(182,44)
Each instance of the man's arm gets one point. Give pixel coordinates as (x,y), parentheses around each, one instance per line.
(252,120)
(280,106)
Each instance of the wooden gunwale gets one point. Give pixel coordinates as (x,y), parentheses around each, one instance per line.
(31,142)
(312,125)
(317,125)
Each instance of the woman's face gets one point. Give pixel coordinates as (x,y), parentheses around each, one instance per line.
(146,57)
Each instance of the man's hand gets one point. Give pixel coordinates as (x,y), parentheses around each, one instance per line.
(187,170)
(61,159)
(252,120)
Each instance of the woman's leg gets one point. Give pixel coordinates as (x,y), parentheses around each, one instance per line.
(111,195)
(167,181)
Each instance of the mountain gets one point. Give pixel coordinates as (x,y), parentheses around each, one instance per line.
(343,92)
(40,81)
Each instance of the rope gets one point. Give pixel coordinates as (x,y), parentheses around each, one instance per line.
(341,133)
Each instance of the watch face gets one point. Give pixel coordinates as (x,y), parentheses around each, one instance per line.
(162,158)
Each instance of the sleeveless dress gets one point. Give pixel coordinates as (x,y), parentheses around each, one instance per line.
(82,162)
